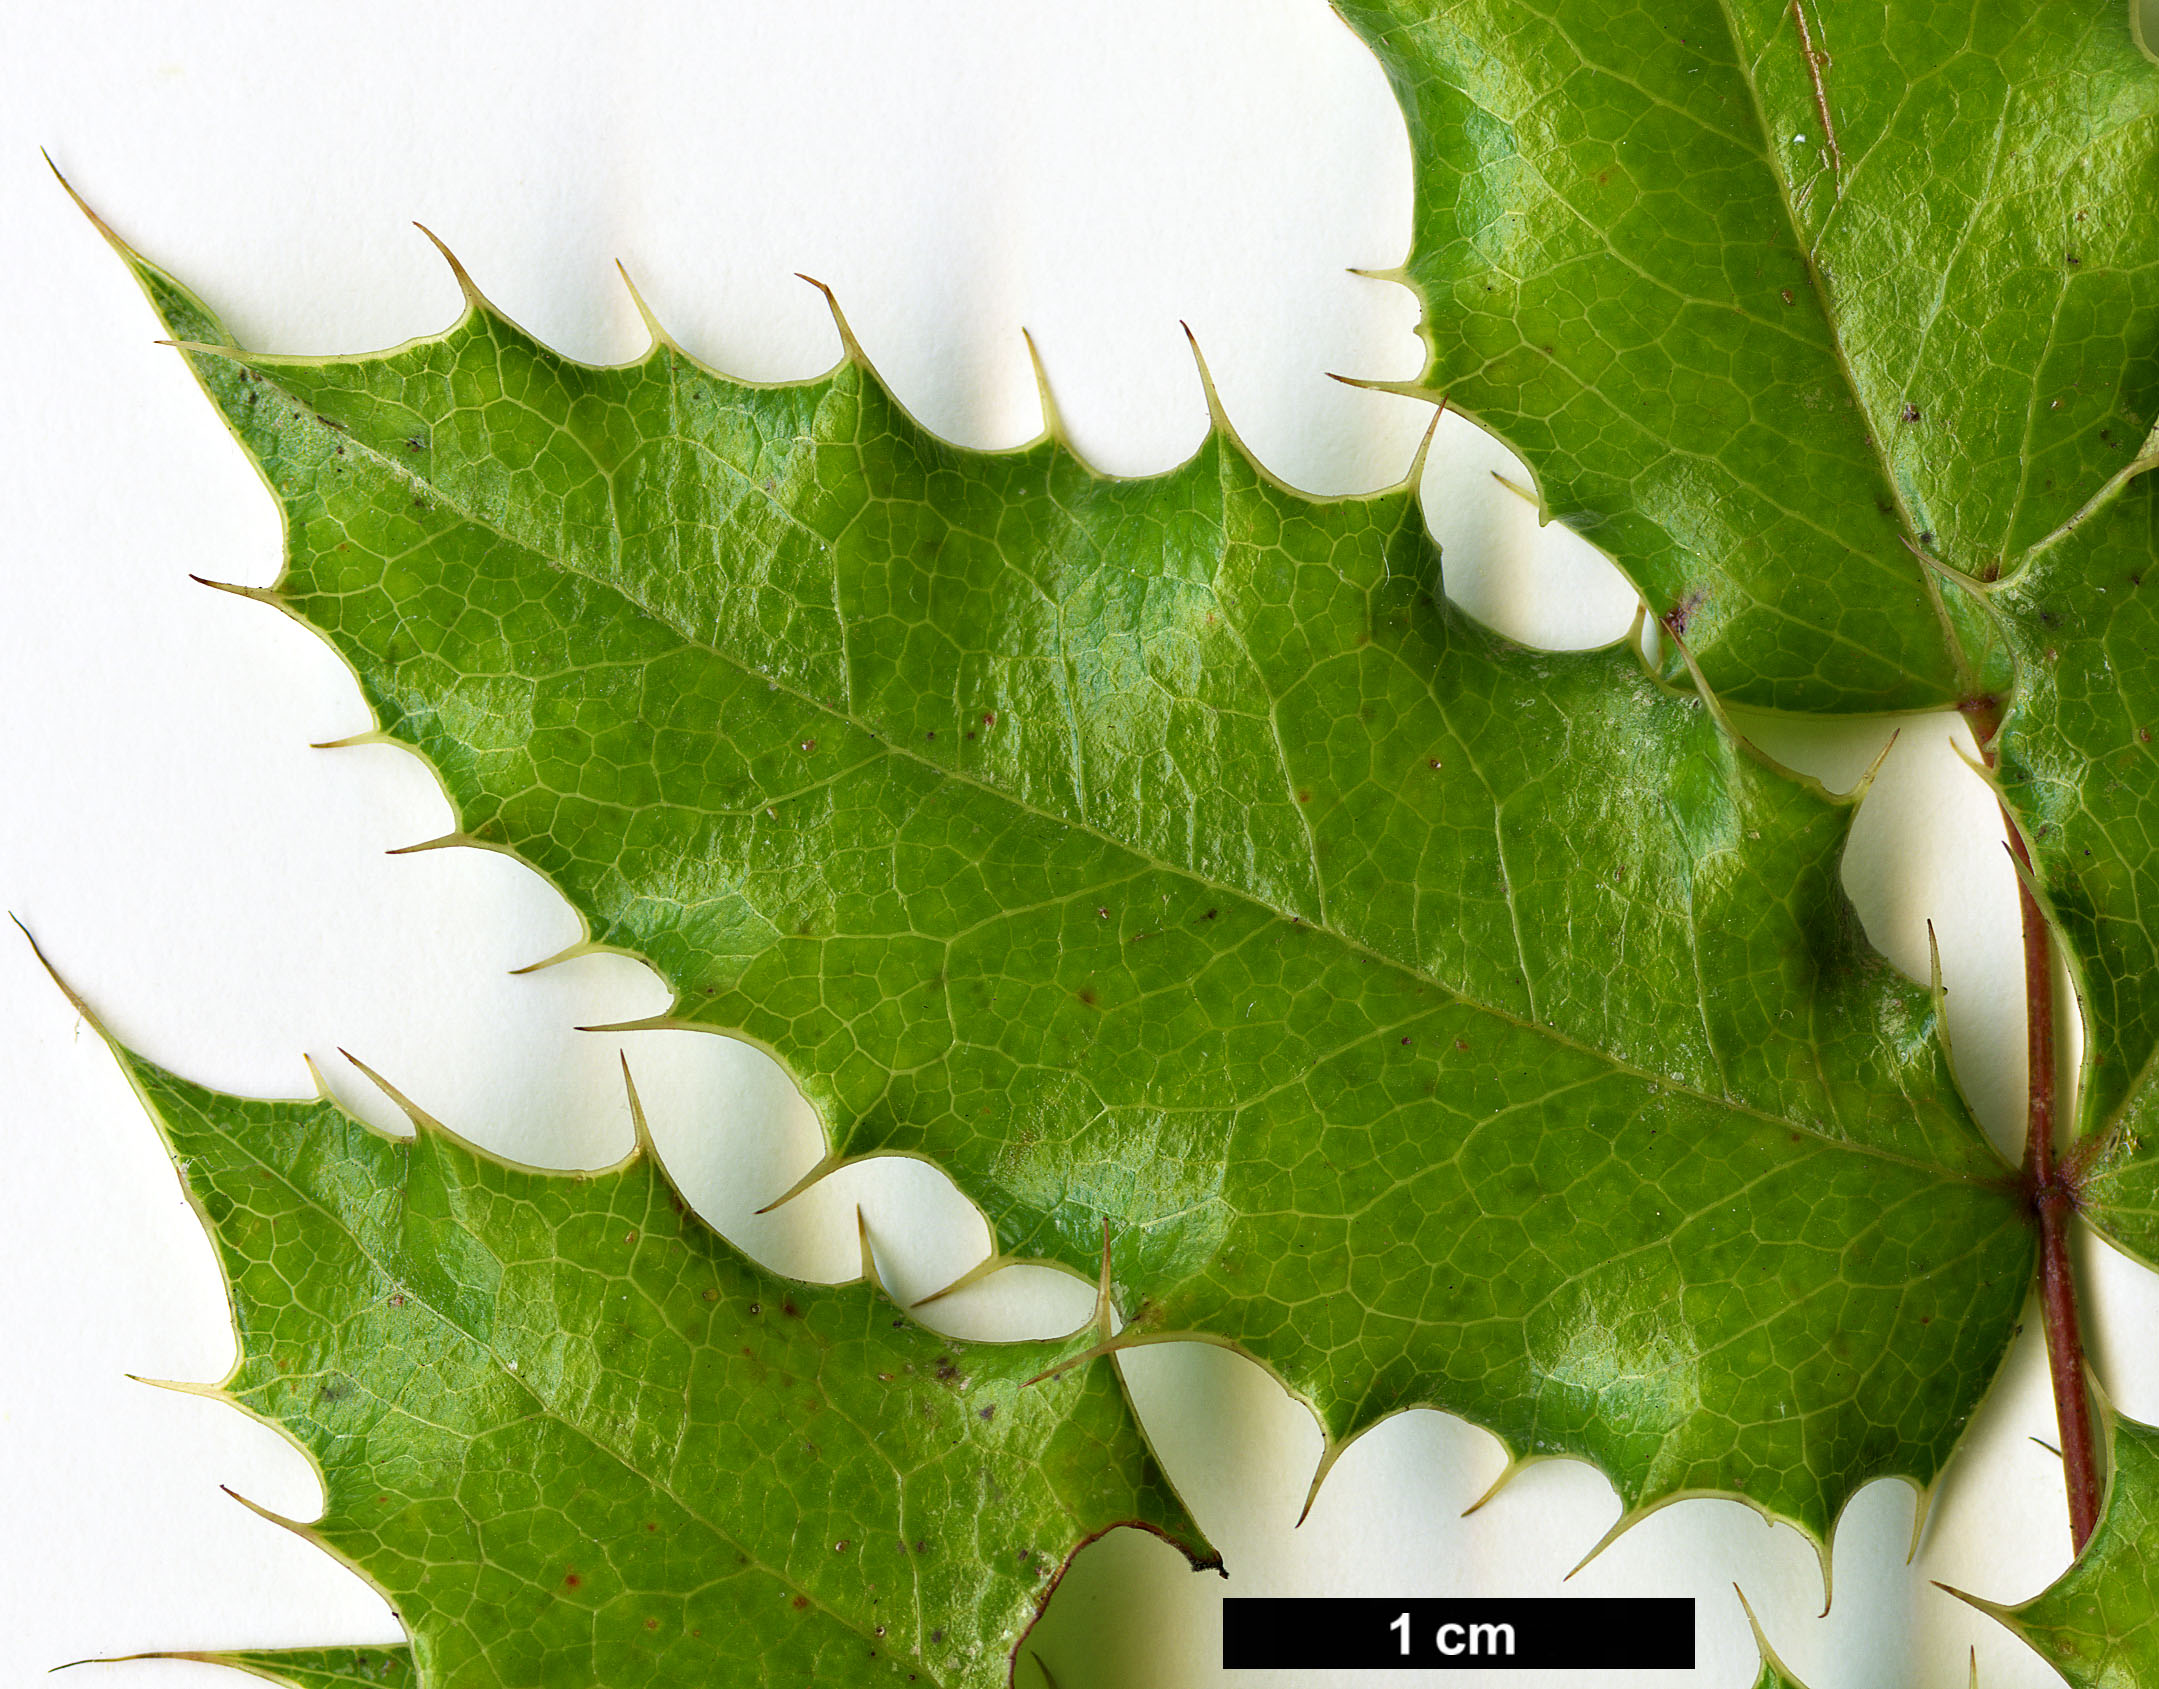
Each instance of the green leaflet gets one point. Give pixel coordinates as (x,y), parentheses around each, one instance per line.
(1438,1021)
(1977,260)
(1761,359)
(575,1438)
(2098,1623)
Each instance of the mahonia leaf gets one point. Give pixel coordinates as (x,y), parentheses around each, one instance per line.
(1776,298)
(2098,1623)
(1438,1021)
(574,1437)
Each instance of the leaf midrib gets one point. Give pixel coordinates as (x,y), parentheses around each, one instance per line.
(410,475)
(1744,67)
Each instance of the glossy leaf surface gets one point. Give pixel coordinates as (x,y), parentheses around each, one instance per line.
(1775,297)
(576,1438)
(1437,1020)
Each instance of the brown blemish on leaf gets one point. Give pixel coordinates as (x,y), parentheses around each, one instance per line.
(1674,621)
(1816,61)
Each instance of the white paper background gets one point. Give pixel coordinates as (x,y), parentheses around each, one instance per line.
(1094,174)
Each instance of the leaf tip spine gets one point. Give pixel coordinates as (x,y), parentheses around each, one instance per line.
(260,594)
(640,1127)
(974,1275)
(474,299)
(653,326)
(421,1120)
(1053,424)
(850,347)
(446,841)
(52,973)
(870,1275)
(306,1532)
(98,223)
(826,1163)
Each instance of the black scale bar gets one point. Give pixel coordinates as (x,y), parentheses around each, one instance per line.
(1585,1635)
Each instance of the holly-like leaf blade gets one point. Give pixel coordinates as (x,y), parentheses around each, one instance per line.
(1440,1022)
(1776,299)
(573,1435)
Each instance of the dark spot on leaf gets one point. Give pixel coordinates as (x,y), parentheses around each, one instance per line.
(989,1413)
(800,1602)
(1304,797)
(571,1580)
(809,744)
(712,1295)
(1910,413)
(1785,294)
(1087,996)
(787,1307)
